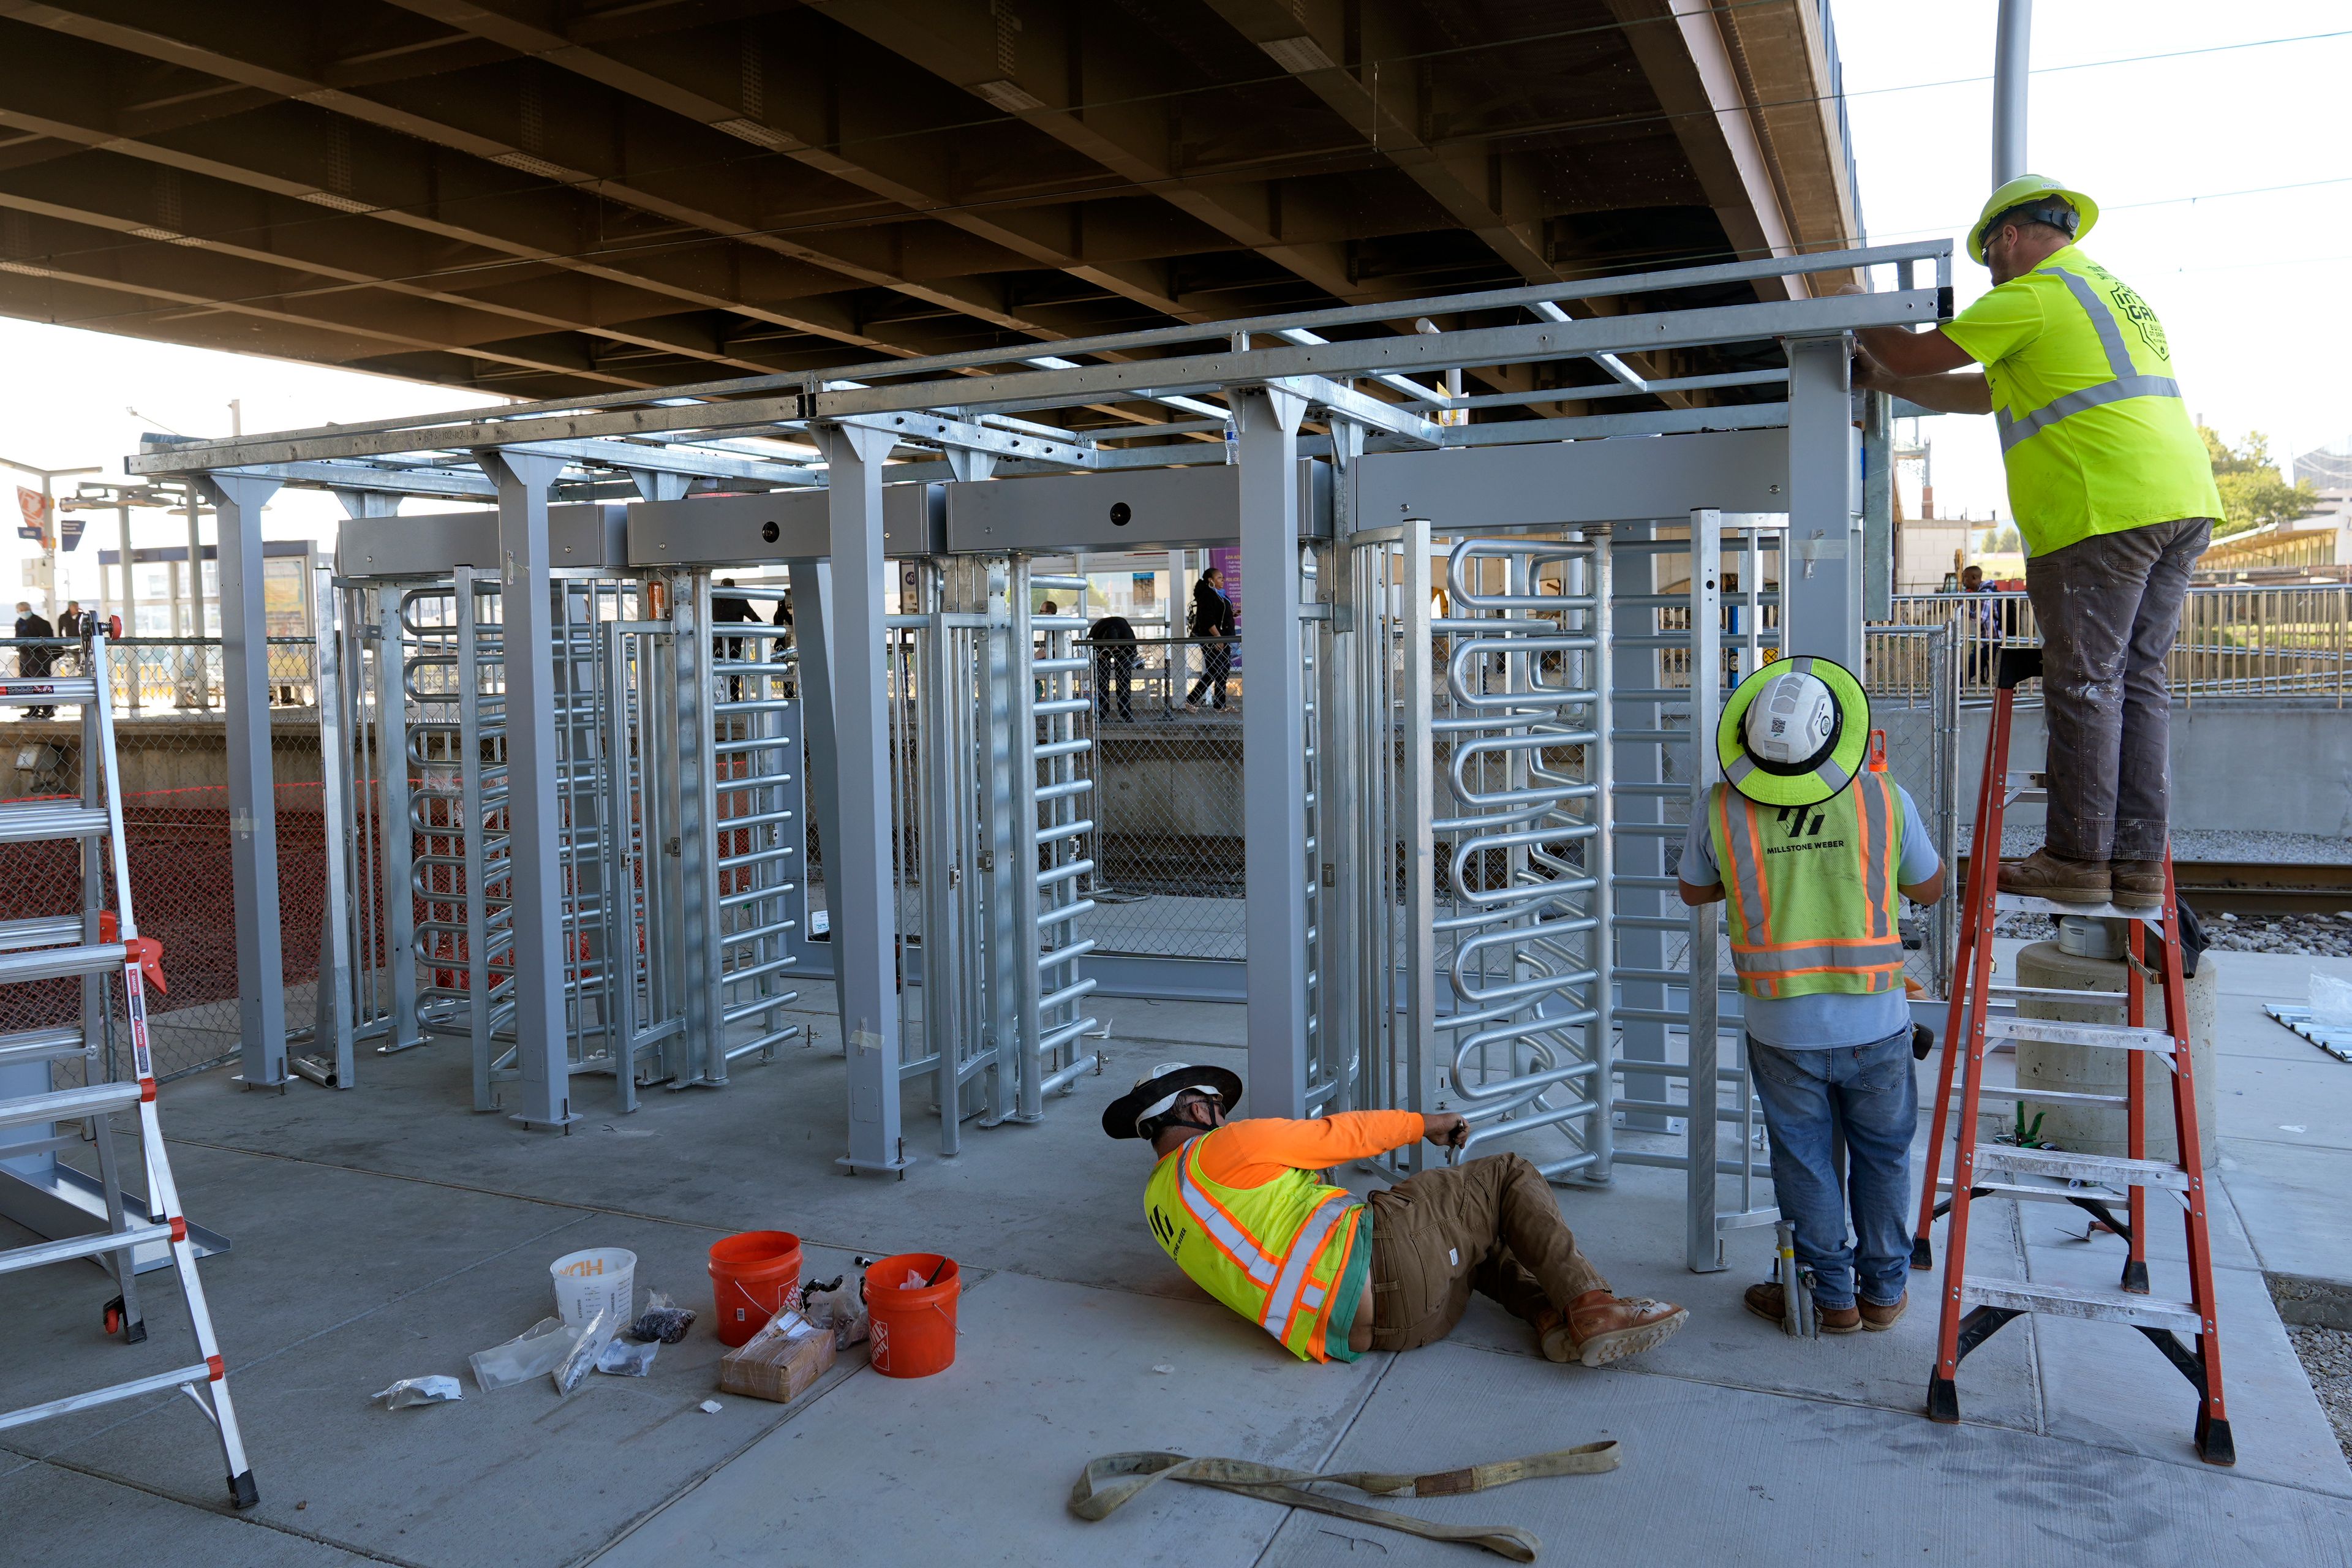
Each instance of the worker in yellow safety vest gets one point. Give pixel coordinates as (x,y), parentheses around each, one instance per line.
(1240,1207)
(2113,491)
(1807,846)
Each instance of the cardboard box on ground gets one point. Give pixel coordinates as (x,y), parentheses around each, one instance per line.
(779,1363)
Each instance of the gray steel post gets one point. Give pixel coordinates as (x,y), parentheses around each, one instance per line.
(1273,761)
(857,858)
(1417,815)
(393,812)
(1704,1250)
(2011,63)
(1878,542)
(252,798)
(812,642)
(534,819)
(1822,600)
(333,999)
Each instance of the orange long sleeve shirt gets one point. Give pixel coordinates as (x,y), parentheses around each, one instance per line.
(1252,1152)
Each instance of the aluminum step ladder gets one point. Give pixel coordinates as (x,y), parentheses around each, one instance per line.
(95,943)
(1974,1306)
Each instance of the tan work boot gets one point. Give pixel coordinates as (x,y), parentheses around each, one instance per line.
(2137,884)
(1770,1302)
(2042,875)
(1877,1319)
(1599,1328)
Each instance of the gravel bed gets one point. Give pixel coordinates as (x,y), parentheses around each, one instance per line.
(2196,843)
(2326,1356)
(2308,936)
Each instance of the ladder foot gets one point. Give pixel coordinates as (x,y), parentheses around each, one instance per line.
(242,1493)
(2213,1444)
(2136,1276)
(1943,1401)
(1923,1253)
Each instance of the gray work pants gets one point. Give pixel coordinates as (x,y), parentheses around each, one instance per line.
(2109,612)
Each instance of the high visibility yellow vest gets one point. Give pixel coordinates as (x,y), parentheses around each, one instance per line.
(2094,432)
(1810,889)
(1274,1253)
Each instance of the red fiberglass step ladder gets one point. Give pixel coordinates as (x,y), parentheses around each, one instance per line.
(1973,1307)
(86,944)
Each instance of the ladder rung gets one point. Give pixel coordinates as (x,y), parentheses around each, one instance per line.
(58,963)
(2053,993)
(41,1254)
(2066,1165)
(2056,1096)
(42,1044)
(158,1382)
(2031,1192)
(47,691)
(40,931)
(30,821)
(2053,1032)
(68,1104)
(2020,903)
(2080,1302)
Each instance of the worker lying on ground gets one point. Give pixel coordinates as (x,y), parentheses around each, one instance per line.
(1238,1206)
(1817,845)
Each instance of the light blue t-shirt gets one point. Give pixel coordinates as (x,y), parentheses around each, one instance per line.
(1826,1020)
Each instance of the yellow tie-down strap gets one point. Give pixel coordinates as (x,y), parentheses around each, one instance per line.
(1115,1478)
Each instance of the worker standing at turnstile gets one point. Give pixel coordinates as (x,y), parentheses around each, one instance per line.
(1807,847)
(2114,494)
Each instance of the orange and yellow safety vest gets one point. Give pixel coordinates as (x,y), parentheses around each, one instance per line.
(1811,890)
(1274,1253)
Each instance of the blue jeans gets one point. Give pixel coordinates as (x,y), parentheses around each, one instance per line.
(1866,1094)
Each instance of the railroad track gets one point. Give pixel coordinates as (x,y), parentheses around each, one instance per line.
(2258,887)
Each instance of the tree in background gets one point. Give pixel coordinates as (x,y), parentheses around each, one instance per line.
(2254,494)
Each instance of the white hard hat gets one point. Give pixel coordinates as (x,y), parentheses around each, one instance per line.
(1790,720)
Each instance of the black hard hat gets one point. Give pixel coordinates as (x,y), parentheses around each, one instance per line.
(1155,1093)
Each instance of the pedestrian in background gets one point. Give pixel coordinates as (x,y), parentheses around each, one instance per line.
(33,663)
(1114,646)
(1212,626)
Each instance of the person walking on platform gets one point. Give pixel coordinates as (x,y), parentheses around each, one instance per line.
(2114,493)
(1113,640)
(1807,848)
(1213,621)
(33,663)
(1239,1207)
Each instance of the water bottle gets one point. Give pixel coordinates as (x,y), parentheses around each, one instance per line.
(1233,444)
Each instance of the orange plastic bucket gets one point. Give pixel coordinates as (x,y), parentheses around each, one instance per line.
(754,1276)
(914,1326)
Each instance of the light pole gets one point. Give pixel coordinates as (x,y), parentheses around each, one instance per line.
(49,583)
(2011,67)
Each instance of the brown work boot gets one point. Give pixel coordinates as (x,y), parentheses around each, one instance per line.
(2042,875)
(1600,1328)
(2137,884)
(1769,1302)
(1877,1319)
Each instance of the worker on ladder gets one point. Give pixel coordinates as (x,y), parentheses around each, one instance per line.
(1817,845)
(1242,1208)
(2113,493)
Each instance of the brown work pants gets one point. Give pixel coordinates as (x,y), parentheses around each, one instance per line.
(1490,1226)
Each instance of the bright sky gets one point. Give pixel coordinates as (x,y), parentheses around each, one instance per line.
(2249,283)
(2251,287)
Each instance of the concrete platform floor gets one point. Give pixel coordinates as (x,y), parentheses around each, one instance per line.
(385,1233)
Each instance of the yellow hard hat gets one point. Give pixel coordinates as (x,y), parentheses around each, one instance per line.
(2026,191)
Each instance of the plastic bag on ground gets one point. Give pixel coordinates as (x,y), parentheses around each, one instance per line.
(663,1320)
(836,1306)
(2331,1000)
(582,1359)
(411,1391)
(623,1359)
(535,1351)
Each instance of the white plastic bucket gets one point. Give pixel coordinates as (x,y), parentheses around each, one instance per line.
(600,1279)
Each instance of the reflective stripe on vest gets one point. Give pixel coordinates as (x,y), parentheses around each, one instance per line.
(1291,1291)
(1767,952)
(1217,1225)
(2124,381)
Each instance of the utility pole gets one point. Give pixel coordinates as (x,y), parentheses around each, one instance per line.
(49,570)
(2011,67)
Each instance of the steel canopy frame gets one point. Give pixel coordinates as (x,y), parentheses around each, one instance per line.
(1270,373)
